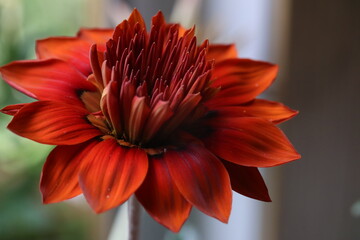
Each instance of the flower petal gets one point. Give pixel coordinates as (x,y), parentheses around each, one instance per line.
(50,79)
(112,173)
(59,178)
(220,52)
(247,181)
(273,111)
(252,142)
(138,115)
(70,49)
(12,109)
(53,123)
(241,80)
(202,179)
(161,198)
(158,20)
(135,17)
(158,115)
(99,36)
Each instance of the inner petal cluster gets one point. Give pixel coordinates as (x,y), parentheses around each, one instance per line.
(150,85)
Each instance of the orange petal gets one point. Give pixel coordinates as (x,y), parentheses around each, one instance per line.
(273,111)
(220,52)
(202,180)
(252,142)
(247,181)
(50,79)
(241,80)
(182,30)
(99,36)
(112,173)
(59,178)
(161,198)
(70,49)
(53,123)
(12,109)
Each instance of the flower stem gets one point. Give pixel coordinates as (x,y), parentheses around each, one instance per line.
(134,218)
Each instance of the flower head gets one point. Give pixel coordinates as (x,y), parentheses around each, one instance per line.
(151,113)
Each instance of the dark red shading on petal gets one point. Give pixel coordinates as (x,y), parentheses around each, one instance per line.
(135,23)
(60,174)
(252,142)
(12,109)
(273,111)
(50,79)
(99,36)
(185,108)
(220,52)
(53,123)
(241,80)
(247,181)
(159,114)
(161,198)
(135,17)
(138,115)
(112,174)
(202,180)
(70,49)
(159,20)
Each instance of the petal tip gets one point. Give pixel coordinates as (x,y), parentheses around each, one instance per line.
(273,69)
(45,201)
(224,218)
(297,155)
(266,198)
(45,198)
(292,114)
(12,110)
(99,210)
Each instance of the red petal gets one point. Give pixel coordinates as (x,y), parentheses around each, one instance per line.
(135,17)
(59,178)
(159,114)
(252,142)
(247,181)
(12,109)
(138,115)
(127,27)
(112,174)
(241,80)
(272,111)
(50,79)
(184,110)
(111,96)
(70,49)
(161,198)
(99,36)
(220,52)
(202,180)
(158,20)
(53,123)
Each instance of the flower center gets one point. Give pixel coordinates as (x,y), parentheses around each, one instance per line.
(152,85)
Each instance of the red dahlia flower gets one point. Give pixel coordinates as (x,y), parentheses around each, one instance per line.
(152,114)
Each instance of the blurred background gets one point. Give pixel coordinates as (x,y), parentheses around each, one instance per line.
(317,45)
